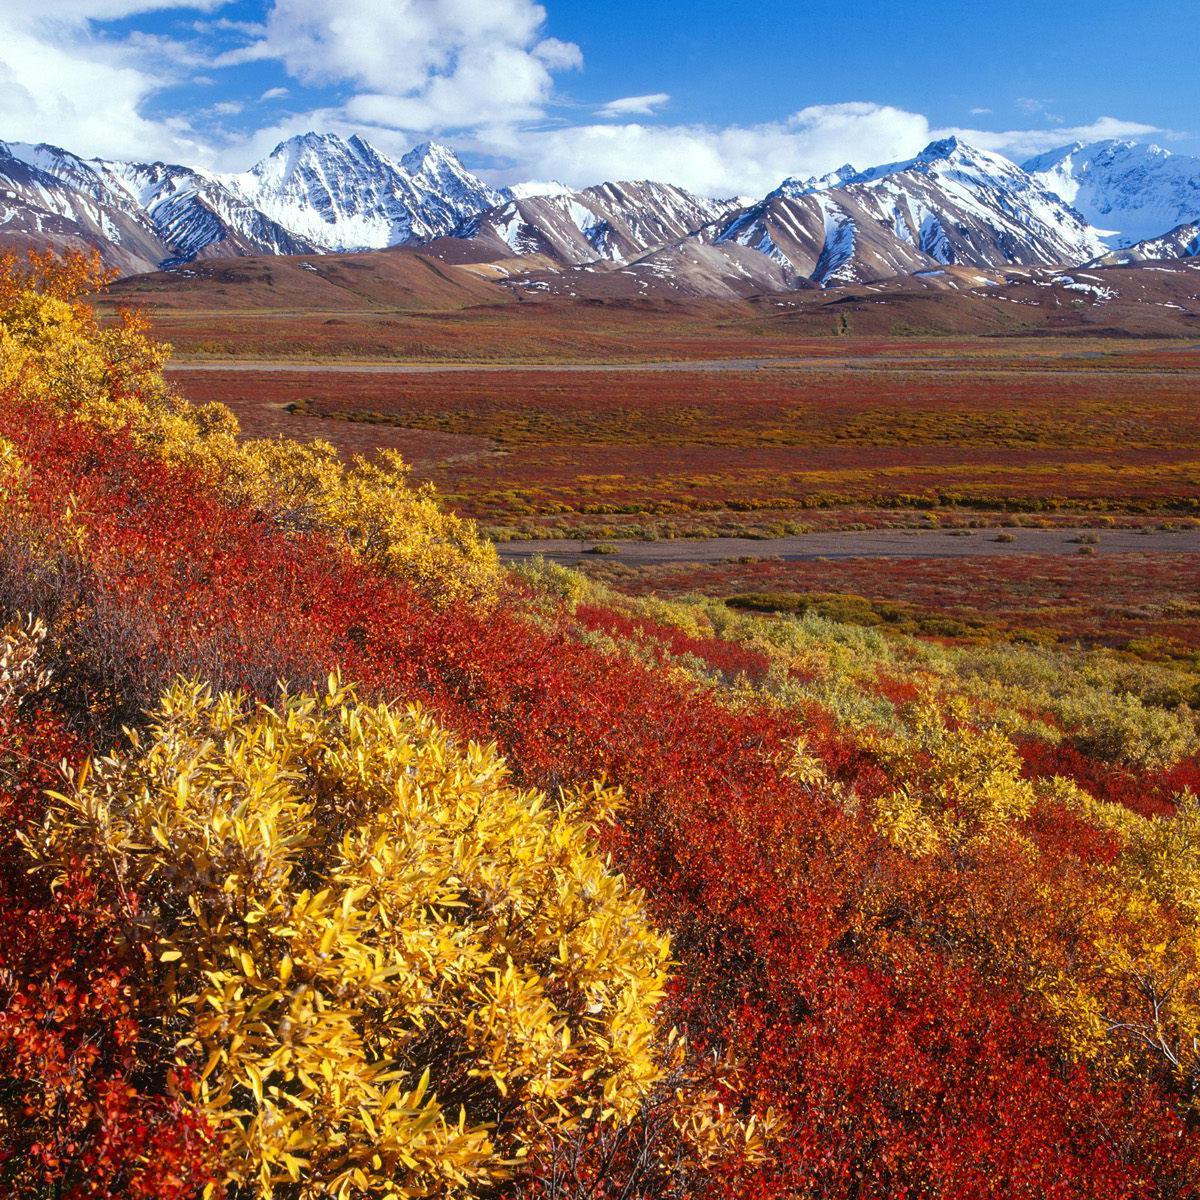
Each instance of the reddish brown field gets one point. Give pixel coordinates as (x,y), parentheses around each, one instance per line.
(883,435)
(408,305)
(1149,603)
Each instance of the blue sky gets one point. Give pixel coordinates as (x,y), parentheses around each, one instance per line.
(751,61)
(723,96)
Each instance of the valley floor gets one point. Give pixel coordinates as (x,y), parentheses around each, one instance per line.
(795,437)
(868,544)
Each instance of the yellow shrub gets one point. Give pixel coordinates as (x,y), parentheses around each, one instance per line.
(53,351)
(1121,728)
(1163,857)
(385,518)
(558,582)
(954,783)
(393,973)
(20,674)
(12,469)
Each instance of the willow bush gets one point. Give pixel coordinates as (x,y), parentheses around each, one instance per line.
(385,970)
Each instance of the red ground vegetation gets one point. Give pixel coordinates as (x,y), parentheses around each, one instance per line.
(878,1001)
(82,1114)
(835,441)
(1147,602)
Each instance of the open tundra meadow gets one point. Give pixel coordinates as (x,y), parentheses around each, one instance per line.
(832,435)
(572,628)
(349,861)
(346,861)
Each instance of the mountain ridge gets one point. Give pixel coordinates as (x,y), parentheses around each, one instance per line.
(952,204)
(1132,191)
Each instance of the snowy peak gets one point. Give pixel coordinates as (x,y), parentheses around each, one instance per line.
(315,192)
(1131,191)
(67,169)
(531,188)
(952,158)
(611,222)
(433,161)
(955,151)
(1182,242)
(450,191)
(944,149)
(795,186)
(951,204)
(344,194)
(51,198)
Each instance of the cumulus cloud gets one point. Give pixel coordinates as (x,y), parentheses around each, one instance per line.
(753,159)
(635,106)
(55,69)
(418,64)
(720,160)
(1023,143)
(83,11)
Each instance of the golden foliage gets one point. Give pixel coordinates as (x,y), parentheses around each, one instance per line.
(393,973)
(1124,729)
(11,472)
(385,518)
(956,783)
(53,350)
(1163,854)
(20,674)
(69,277)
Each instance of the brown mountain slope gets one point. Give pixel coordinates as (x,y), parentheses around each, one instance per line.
(400,280)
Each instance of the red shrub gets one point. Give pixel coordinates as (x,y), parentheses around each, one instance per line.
(902,1069)
(725,658)
(82,1113)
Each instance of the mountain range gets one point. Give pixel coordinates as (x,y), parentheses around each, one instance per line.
(1129,191)
(953,204)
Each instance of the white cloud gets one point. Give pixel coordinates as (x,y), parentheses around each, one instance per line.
(275,93)
(753,159)
(61,82)
(635,106)
(558,55)
(1023,143)
(718,160)
(979,112)
(82,11)
(49,93)
(419,64)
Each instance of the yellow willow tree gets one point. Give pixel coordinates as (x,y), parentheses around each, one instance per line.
(388,971)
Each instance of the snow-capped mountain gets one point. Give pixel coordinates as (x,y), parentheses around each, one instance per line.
(343,194)
(1182,242)
(952,204)
(186,213)
(49,198)
(794,187)
(1130,191)
(531,188)
(613,222)
(198,215)
(314,193)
